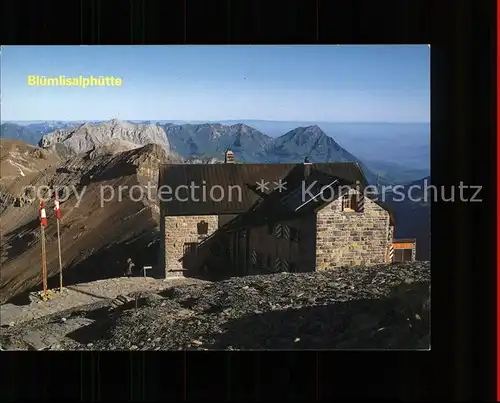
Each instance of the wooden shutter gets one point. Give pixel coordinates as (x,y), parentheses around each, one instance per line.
(286,232)
(277,264)
(391,254)
(278,230)
(285,265)
(360,203)
(254,257)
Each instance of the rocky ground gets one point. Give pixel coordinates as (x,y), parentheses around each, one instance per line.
(383,307)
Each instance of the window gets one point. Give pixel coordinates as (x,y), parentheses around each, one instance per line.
(353,203)
(270,228)
(202,228)
(403,255)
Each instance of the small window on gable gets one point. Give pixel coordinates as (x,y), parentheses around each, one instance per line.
(353,203)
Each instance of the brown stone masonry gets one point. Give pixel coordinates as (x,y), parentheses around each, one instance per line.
(346,239)
(180,231)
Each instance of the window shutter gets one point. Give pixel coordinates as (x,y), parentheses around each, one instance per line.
(254,257)
(285,265)
(286,231)
(277,264)
(278,230)
(360,203)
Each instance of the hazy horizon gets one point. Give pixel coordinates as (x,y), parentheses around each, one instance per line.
(217,120)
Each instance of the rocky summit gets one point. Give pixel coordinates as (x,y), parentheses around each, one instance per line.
(73,141)
(381,307)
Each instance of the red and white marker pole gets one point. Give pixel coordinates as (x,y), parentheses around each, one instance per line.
(43,214)
(57,212)
(43,224)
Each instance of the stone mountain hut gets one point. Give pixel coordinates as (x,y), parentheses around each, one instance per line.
(237,219)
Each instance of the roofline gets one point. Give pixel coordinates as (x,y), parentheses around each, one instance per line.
(167,164)
(232,212)
(361,171)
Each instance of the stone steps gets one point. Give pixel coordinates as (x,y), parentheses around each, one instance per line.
(120,301)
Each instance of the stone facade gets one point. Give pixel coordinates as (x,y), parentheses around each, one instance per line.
(330,238)
(347,239)
(179,231)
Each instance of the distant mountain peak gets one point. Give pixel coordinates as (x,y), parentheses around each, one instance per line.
(243,128)
(115,121)
(112,134)
(312,128)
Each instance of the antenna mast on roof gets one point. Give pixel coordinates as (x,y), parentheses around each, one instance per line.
(317,195)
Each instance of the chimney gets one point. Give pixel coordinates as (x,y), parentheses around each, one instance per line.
(307,167)
(229,157)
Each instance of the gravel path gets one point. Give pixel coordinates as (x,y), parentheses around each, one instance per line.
(383,307)
(78,295)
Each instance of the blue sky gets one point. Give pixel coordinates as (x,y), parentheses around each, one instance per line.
(306,83)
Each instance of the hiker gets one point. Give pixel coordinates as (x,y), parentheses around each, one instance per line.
(130,266)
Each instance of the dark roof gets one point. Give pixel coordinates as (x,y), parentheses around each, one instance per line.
(243,177)
(404,240)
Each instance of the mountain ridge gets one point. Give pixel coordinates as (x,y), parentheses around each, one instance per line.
(208,141)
